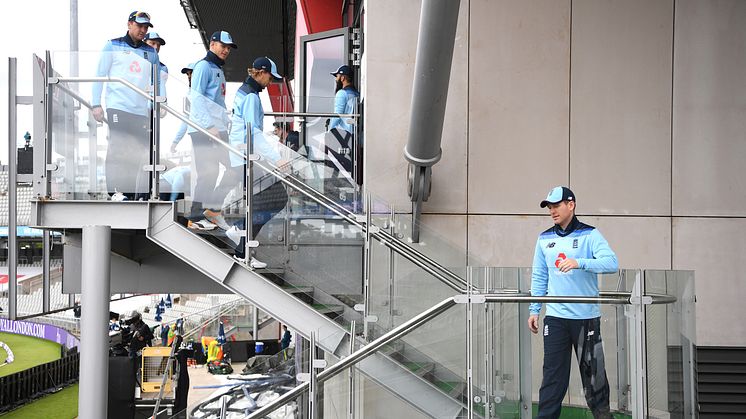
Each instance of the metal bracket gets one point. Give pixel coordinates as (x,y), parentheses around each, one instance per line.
(53,80)
(466,299)
(371,318)
(254,157)
(158,168)
(374,229)
(646,300)
(160,99)
(51,167)
(303,377)
(319,363)
(359,308)
(252,244)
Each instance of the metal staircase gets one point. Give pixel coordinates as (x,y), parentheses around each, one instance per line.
(316,284)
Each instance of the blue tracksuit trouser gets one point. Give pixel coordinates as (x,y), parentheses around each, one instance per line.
(561,336)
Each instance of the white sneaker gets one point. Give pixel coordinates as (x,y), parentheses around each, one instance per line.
(257,264)
(216,218)
(234,234)
(118,197)
(202,225)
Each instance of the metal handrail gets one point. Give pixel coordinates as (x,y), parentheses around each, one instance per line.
(314,114)
(613,298)
(430,266)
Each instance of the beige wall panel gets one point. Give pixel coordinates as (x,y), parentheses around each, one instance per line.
(620,119)
(518,103)
(390,55)
(504,240)
(713,248)
(639,243)
(509,240)
(709,101)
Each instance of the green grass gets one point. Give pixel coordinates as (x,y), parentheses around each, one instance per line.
(28,352)
(60,405)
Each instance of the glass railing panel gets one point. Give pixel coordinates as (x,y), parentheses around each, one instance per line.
(435,352)
(99,152)
(496,390)
(671,339)
(400,287)
(380,270)
(616,349)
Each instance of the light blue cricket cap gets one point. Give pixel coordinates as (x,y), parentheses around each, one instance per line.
(558,194)
(224,37)
(264,63)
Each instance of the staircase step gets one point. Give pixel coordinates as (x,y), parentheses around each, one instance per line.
(349,300)
(453,388)
(328,308)
(421,369)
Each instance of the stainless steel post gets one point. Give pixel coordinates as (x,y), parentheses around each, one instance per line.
(95,294)
(524,355)
(249,235)
(155,135)
(469,347)
(74,39)
(223,406)
(351,388)
(367,266)
(255,322)
(312,390)
(392,271)
(45,243)
(12,191)
(638,336)
(49,108)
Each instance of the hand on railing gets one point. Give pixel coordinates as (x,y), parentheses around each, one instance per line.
(98,113)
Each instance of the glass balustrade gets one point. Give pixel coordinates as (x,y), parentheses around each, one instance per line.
(472,352)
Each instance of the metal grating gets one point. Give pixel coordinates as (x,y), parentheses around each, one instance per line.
(721,376)
(259,27)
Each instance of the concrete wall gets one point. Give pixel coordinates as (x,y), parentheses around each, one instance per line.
(637,105)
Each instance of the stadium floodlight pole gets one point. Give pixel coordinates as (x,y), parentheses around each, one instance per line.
(95,292)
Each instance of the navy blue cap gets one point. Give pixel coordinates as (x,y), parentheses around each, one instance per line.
(558,194)
(188,68)
(264,63)
(140,17)
(344,70)
(224,37)
(153,36)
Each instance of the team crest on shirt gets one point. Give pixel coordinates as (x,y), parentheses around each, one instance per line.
(575,244)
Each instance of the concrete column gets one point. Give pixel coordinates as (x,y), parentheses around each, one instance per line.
(94,319)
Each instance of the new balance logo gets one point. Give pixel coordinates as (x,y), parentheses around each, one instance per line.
(550,245)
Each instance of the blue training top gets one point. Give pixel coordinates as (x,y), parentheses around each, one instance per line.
(345,102)
(207,95)
(247,109)
(126,59)
(583,243)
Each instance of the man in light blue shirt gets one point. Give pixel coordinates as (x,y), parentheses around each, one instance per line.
(127,113)
(567,259)
(340,149)
(207,99)
(156,41)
